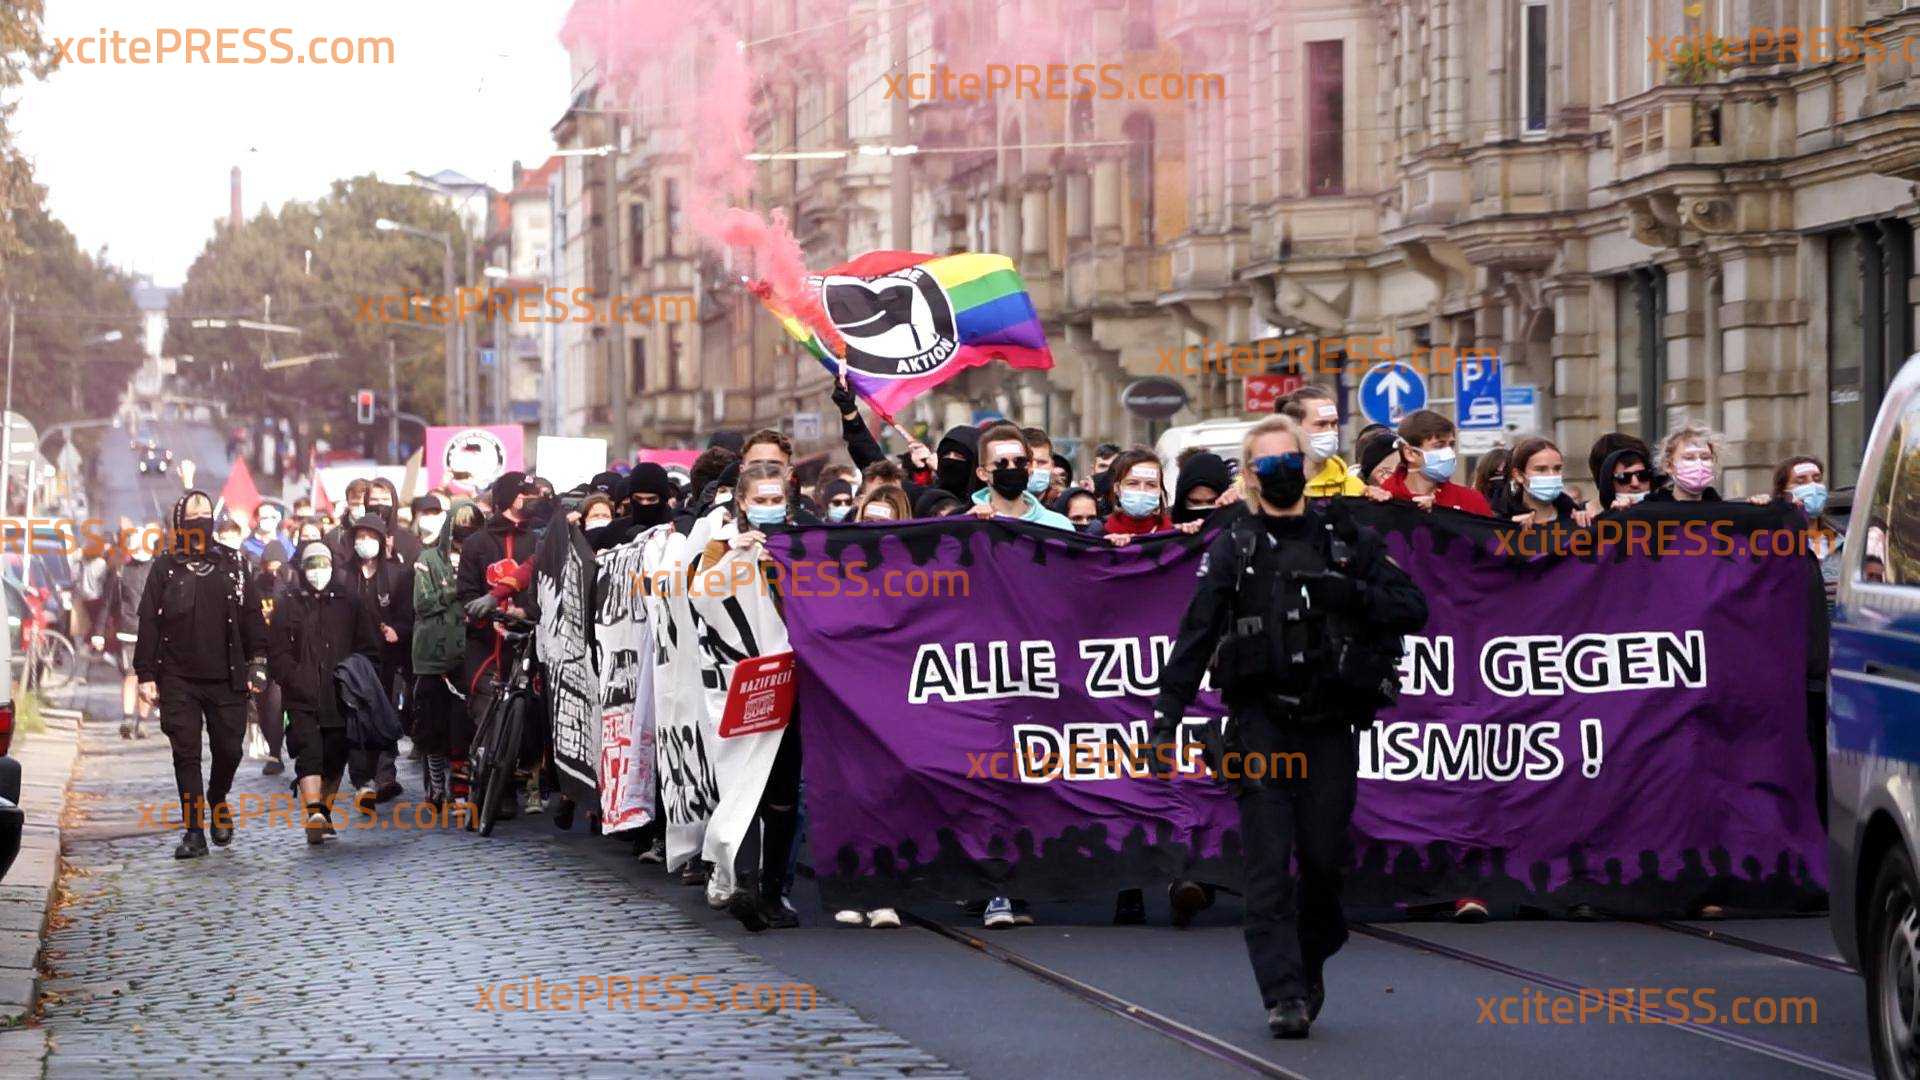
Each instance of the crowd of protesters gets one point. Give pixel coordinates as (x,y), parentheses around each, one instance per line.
(411,594)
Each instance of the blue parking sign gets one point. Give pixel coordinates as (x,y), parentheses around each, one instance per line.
(1478,400)
(1390,391)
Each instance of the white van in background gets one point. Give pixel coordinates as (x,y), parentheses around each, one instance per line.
(1221,437)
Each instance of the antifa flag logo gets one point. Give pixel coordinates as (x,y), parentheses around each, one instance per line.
(897,326)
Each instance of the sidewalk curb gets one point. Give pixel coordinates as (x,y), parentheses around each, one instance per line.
(27,892)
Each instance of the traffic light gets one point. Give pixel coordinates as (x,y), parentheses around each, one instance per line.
(364,401)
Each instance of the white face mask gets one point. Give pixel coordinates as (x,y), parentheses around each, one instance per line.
(319,576)
(228,541)
(1323,445)
(268,524)
(430,525)
(596,522)
(366,547)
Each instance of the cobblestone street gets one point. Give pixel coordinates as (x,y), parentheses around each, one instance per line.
(270,958)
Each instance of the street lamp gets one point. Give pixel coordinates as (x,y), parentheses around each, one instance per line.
(455,373)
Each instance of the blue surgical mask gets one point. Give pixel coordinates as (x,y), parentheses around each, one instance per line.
(1546,488)
(1437,465)
(1811,497)
(766,515)
(1139,503)
(1039,480)
(838,513)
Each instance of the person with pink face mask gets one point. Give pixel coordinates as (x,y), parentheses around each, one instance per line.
(1690,458)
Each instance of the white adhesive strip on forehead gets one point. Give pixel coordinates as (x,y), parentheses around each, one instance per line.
(1329,411)
(879,510)
(766,488)
(1008,448)
(1805,472)
(1147,472)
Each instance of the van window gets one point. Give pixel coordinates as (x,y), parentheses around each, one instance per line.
(1892,543)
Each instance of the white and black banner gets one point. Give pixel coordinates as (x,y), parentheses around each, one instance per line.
(623,653)
(563,579)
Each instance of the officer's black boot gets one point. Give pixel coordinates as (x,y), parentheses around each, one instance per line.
(1289,1019)
(192,846)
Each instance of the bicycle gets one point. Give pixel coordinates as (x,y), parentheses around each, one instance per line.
(495,752)
(46,657)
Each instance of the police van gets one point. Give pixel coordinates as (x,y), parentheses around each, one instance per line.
(1873,732)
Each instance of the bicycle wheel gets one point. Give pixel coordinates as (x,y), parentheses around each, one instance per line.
(480,758)
(58,661)
(500,769)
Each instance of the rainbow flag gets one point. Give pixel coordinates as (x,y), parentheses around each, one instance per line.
(910,322)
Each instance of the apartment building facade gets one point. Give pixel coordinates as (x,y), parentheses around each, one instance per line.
(1643,240)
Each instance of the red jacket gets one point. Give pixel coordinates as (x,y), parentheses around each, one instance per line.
(1119,524)
(1450,495)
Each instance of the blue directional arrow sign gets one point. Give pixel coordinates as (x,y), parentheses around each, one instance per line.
(1390,391)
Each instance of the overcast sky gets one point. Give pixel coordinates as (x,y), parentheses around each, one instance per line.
(137,157)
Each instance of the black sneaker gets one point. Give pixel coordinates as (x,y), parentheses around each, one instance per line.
(1289,1019)
(273,767)
(1188,898)
(1316,998)
(745,905)
(126,728)
(221,835)
(1129,908)
(192,846)
(388,791)
(563,815)
(777,916)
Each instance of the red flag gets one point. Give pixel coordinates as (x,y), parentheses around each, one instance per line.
(240,494)
(318,494)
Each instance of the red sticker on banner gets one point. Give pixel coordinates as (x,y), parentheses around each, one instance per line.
(760,697)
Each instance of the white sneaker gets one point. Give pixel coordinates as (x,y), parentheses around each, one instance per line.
(717,894)
(849,917)
(883,919)
(999,914)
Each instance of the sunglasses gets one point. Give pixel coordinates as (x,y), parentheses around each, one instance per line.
(1637,476)
(1013,463)
(1271,463)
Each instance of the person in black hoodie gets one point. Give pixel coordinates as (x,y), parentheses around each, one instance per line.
(712,464)
(383,499)
(318,622)
(123,625)
(1203,479)
(201,647)
(384,586)
(505,535)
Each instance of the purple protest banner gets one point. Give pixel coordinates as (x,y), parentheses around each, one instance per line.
(1622,728)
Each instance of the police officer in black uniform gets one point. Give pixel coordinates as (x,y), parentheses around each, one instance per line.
(1298,615)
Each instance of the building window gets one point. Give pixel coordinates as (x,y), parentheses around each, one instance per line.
(1533,66)
(673,218)
(675,353)
(1640,353)
(637,234)
(1326,118)
(1869,333)
(636,367)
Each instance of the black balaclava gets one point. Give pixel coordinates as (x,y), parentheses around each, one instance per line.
(606,483)
(956,477)
(652,479)
(1201,470)
(193,537)
(505,490)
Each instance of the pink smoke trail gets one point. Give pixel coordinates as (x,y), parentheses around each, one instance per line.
(631,40)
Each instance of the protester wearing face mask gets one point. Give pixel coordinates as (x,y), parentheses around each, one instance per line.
(1204,479)
(1043,481)
(645,499)
(1691,458)
(123,624)
(957,462)
(384,585)
(1141,500)
(1279,602)
(885,504)
(201,648)
(505,535)
(1079,506)
(438,644)
(316,625)
(1625,478)
(1536,487)
(836,497)
(1005,464)
(1379,454)
(228,534)
(355,508)
(596,521)
(1801,481)
(712,464)
(1608,444)
(384,499)
(1428,462)
(1313,408)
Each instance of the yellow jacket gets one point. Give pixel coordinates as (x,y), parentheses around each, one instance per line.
(1333,479)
